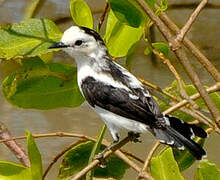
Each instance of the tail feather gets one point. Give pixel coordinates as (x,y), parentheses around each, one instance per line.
(180,134)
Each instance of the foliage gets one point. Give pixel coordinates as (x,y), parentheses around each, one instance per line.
(164,166)
(207,171)
(30,38)
(13,171)
(42,84)
(190,89)
(81,13)
(77,158)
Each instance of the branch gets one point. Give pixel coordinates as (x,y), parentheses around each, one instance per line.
(180,54)
(59,134)
(192,18)
(55,159)
(157,88)
(83,137)
(147,161)
(108,153)
(15,148)
(182,103)
(195,51)
(102,17)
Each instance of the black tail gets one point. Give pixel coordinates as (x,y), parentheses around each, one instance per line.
(180,134)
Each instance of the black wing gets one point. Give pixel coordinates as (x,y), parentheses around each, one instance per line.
(117,100)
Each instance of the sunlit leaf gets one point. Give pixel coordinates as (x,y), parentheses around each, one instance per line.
(162,47)
(34,157)
(77,158)
(43,86)
(32,37)
(81,13)
(207,171)
(119,37)
(13,171)
(164,166)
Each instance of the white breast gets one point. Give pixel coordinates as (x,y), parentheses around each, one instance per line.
(85,71)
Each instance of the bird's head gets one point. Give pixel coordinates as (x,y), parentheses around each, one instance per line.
(80,41)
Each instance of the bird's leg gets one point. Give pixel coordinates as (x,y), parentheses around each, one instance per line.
(134,137)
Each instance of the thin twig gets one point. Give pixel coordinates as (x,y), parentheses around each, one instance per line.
(83,137)
(182,103)
(183,92)
(195,51)
(153,86)
(180,54)
(149,157)
(132,156)
(102,17)
(59,134)
(15,148)
(108,153)
(192,18)
(55,159)
(175,73)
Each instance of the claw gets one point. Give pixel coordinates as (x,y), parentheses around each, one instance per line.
(100,157)
(134,137)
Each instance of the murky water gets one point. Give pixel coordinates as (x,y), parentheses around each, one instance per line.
(82,119)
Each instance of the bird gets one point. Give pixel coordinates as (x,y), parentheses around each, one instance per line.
(119,98)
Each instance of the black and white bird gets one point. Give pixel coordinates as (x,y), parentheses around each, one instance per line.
(119,98)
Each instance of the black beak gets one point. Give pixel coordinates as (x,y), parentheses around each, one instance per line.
(58,45)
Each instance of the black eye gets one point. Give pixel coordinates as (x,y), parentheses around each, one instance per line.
(78,42)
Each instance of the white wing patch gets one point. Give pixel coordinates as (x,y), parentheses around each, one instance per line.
(133,96)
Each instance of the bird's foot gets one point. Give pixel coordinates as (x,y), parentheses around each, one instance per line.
(100,157)
(134,137)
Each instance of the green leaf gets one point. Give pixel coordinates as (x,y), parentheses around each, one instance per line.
(130,12)
(184,158)
(95,150)
(119,37)
(32,37)
(34,157)
(127,12)
(13,171)
(164,166)
(47,57)
(162,47)
(207,171)
(81,13)
(77,158)
(130,56)
(43,86)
